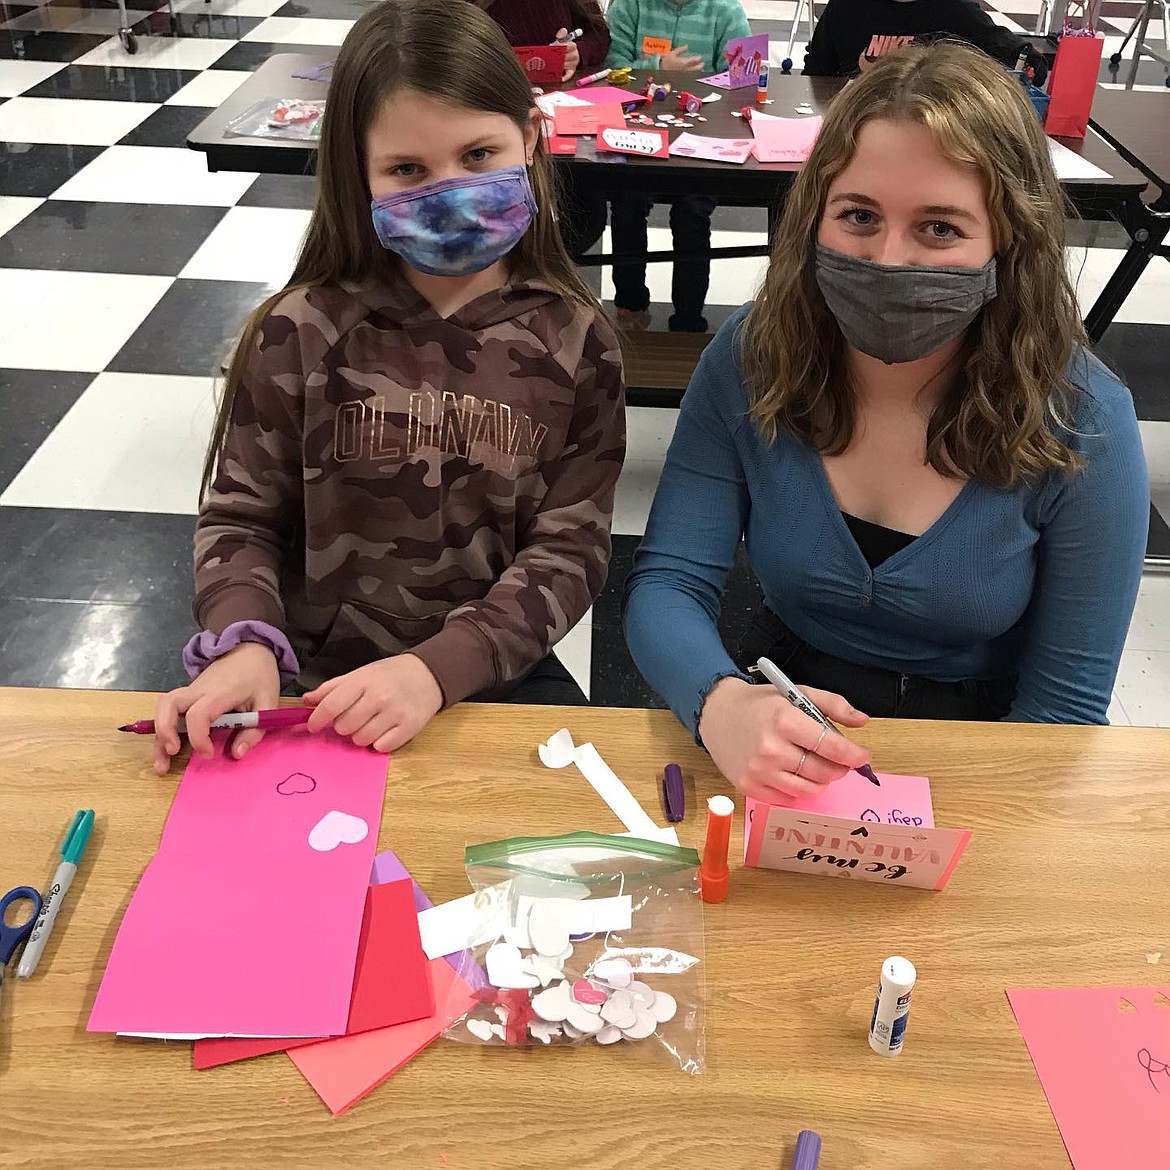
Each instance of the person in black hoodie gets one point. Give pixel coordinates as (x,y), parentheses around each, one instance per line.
(852,34)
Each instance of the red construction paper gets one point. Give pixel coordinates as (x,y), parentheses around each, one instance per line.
(647,143)
(570,120)
(1103,1058)
(345,1069)
(392,981)
(559,145)
(544,64)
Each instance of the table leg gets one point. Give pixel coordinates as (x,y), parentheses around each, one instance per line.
(1138,43)
(1144,244)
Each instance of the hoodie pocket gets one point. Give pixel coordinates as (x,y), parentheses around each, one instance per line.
(361,634)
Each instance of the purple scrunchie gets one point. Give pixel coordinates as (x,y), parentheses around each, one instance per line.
(205,648)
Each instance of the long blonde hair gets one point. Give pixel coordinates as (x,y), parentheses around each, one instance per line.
(447,50)
(996,425)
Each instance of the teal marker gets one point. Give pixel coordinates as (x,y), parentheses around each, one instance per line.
(72,852)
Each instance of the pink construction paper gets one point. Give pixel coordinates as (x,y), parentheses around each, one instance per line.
(855,829)
(238,926)
(604,95)
(898,800)
(785,139)
(345,1069)
(1103,1058)
(728,150)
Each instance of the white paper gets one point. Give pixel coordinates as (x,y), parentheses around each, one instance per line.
(560,751)
(1070,165)
(592,916)
(466,922)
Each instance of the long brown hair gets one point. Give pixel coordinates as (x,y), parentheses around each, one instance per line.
(997,423)
(450,51)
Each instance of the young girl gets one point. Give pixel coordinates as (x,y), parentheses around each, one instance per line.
(698,32)
(941,492)
(539,22)
(408,494)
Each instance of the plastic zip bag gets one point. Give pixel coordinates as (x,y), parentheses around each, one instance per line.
(595,940)
(289,118)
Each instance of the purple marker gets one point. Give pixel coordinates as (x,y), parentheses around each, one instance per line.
(808,1151)
(674,797)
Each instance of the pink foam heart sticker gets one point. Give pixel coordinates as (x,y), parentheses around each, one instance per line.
(585,992)
(298,782)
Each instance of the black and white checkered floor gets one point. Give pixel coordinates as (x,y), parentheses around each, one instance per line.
(125,268)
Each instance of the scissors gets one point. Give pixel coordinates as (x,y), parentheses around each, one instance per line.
(12,936)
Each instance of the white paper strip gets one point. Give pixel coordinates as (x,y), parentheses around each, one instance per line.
(593,916)
(560,751)
(1070,165)
(466,922)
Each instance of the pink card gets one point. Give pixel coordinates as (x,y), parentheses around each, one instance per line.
(728,150)
(855,829)
(263,866)
(784,139)
(604,95)
(342,1071)
(648,143)
(571,120)
(1103,1058)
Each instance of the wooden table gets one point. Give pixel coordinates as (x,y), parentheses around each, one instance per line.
(1064,883)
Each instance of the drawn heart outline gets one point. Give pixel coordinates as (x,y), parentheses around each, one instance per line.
(295,784)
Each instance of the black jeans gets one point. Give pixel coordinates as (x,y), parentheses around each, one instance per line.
(548,683)
(690,227)
(877,692)
(581,217)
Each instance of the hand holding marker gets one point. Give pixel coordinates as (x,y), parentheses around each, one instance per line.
(802,703)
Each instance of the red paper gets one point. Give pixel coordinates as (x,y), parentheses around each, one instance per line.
(1071,87)
(392,982)
(558,145)
(588,119)
(1103,1058)
(345,1069)
(544,64)
(647,143)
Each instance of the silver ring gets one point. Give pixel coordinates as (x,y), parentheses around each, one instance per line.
(796,770)
(820,738)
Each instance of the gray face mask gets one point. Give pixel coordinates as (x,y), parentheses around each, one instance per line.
(901,312)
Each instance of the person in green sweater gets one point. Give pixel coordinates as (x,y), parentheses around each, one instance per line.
(698,32)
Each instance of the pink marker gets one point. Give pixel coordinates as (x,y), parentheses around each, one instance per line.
(600,75)
(265,720)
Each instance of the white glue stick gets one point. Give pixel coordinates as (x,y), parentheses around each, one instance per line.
(891,1009)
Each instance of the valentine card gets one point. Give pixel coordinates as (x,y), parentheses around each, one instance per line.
(853,829)
(728,150)
(544,64)
(587,119)
(647,143)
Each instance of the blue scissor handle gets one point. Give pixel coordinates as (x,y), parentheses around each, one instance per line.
(12,936)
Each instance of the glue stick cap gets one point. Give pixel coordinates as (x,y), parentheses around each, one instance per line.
(713,872)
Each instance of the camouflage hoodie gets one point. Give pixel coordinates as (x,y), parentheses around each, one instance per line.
(393,480)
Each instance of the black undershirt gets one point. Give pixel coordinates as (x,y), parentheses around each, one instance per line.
(877,544)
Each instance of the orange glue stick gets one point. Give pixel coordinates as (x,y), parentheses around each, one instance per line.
(713,872)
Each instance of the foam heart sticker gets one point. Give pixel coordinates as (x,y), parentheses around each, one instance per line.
(298,782)
(337,828)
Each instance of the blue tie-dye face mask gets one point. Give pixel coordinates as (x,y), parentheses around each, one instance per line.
(459,226)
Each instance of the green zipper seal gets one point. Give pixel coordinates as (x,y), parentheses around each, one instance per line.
(494,852)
